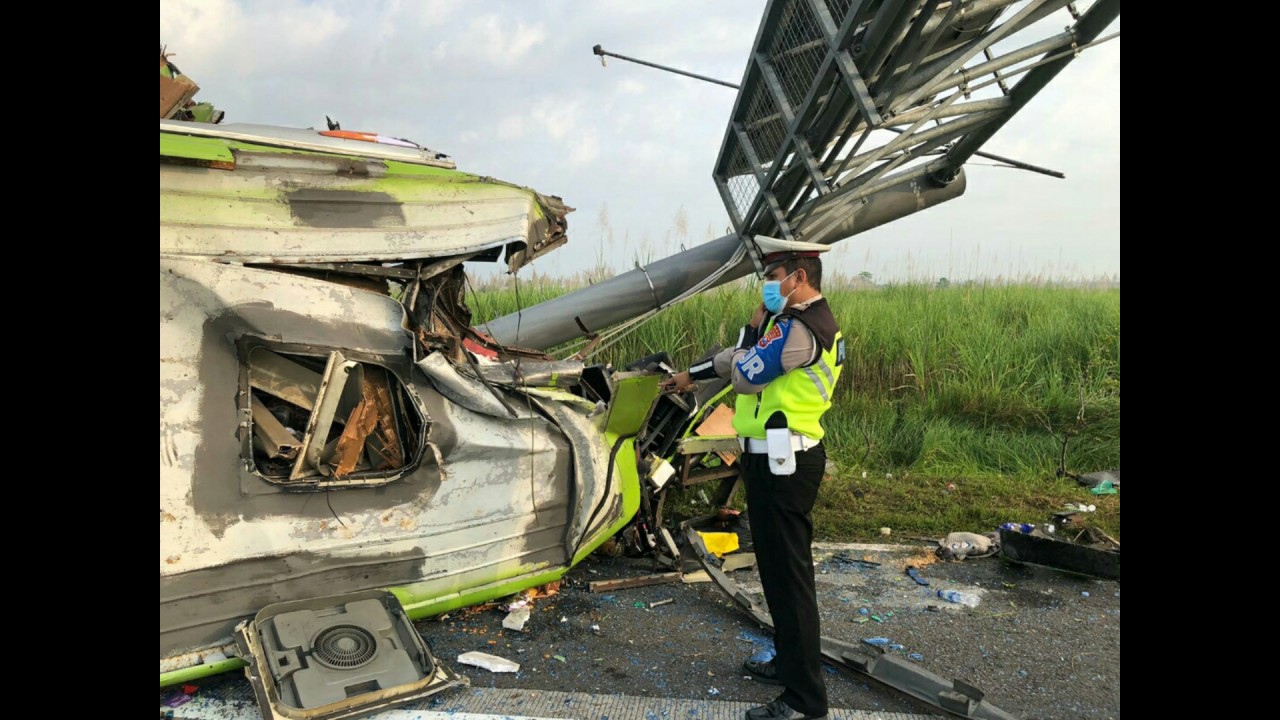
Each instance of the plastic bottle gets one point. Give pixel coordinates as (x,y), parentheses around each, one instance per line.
(962,598)
(1018,527)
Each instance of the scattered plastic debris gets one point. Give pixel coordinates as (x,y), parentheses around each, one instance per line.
(1022,673)
(917,657)
(886,531)
(713,692)
(876,618)
(860,619)
(877,641)
(914,573)
(1024,528)
(1106,487)
(492,663)
(516,619)
(719,543)
(962,598)
(560,658)
(660,603)
(863,611)
(896,646)
(1084,593)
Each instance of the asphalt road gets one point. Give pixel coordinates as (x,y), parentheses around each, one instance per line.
(1041,644)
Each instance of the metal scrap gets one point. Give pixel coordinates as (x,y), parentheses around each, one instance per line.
(360,423)
(955,696)
(276,439)
(645,580)
(283,378)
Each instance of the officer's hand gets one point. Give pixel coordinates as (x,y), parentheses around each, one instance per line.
(758,316)
(677,383)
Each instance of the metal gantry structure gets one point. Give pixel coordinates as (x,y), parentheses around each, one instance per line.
(851,114)
(801,153)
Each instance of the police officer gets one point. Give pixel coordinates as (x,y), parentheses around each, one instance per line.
(784,369)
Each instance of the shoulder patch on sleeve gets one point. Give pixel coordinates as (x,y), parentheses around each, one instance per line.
(775,333)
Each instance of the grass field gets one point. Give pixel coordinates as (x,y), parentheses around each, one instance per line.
(993,389)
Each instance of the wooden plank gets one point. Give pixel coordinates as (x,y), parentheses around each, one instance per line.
(719,422)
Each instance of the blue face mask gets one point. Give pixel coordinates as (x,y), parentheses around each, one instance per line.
(771,293)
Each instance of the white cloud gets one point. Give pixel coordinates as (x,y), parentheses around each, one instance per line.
(511,128)
(630,87)
(586,148)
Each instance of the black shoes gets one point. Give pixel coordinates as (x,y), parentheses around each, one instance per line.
(778,710)
(764,671)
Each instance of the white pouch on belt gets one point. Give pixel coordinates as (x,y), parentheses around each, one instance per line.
(782,456)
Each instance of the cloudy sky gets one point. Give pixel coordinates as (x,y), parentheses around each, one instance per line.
(510,89)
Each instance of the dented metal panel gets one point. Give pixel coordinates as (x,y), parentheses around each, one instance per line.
(268,218)
(307,139)
(495,506)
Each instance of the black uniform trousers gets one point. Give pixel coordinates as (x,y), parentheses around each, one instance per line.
(780,509)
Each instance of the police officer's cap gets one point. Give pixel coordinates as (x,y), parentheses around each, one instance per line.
(778,251)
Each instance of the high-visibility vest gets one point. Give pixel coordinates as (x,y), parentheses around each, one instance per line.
(802,395)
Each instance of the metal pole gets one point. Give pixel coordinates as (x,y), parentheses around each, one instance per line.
(602,53)
(636,292)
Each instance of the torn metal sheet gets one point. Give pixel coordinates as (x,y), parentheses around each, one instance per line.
(464,390)
(312,454)
(360,424)
(308,139)
(388,445)
(560,373)
(597,486)
(283,378)
(1101,561)
(278,442)
(277,213)
(954,697)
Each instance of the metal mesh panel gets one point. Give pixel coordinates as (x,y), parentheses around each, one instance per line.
(737,164)
(797,51)
(743,189)
(764,125)
(838,8)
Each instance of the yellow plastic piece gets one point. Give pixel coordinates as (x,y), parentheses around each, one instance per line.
(719,543)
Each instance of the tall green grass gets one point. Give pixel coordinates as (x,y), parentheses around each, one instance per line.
(962,381)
